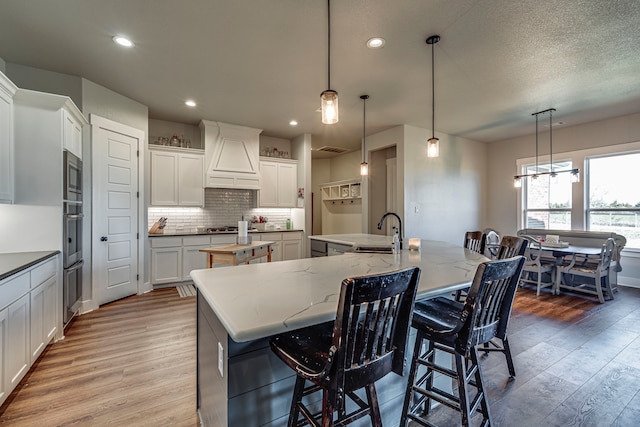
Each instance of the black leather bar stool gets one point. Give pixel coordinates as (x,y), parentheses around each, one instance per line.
(457,328)
(367,341)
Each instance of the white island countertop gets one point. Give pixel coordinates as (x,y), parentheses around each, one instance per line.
(259,300)
(356,239)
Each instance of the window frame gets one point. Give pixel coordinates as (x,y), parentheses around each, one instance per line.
(579,197)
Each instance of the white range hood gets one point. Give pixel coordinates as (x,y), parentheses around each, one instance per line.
(231,155)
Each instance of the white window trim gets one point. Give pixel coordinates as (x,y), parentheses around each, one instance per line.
(578,160)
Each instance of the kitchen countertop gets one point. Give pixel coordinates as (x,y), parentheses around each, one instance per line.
(15,262)
(195,233)
(356,240)
(259,300)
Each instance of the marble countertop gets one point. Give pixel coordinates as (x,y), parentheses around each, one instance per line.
(259,300)
(15,262)
(355,240)
(195,233)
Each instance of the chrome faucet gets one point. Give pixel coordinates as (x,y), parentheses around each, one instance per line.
(399,224)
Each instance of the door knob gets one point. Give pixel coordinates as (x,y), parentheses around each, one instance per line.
(103,239)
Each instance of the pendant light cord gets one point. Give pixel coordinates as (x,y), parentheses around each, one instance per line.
(433,91)
(364,124)
(536,144)
(551,141)
(329,44)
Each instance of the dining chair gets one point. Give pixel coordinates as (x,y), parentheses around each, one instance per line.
(457,328)
(510,246)
(492,243)
(476,242)
(588,273)
(366,341)
(537,268)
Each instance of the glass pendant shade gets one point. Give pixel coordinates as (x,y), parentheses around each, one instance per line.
(329,105)
(364,169)
(517,182)
(575,176)
(433,147)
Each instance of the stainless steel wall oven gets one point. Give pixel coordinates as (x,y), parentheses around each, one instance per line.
(72,243)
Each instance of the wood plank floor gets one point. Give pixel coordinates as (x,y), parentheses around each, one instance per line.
(132,363)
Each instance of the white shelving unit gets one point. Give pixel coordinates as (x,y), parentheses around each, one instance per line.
(342,190)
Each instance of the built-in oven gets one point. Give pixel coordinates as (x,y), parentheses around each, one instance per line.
(72,181)
(72,236)
(72,245)
(71,291)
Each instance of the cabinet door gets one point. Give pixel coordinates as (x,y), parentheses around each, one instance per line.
(6,148)
(268,194)
(52,304)
(72,135)
(193,259)
(291,249)
(164,178)
(18,355)
(37,322)
(4,349)
(287,185)
(166,265)
(190,180)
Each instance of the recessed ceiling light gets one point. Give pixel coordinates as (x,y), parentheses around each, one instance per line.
(190,103)
(123,41)
(293,123)
(375,43)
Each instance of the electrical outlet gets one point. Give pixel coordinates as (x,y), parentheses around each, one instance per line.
(221,359)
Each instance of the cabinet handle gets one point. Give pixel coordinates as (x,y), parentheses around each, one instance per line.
(104,239)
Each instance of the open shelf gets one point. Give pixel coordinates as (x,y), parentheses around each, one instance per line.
(342,190)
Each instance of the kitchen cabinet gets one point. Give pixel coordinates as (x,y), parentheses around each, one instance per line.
(72,133)
(30,314)
(278,183)
(45,124)
(176,177)
(231,155)
(7,91)
(287,246)
(173,258)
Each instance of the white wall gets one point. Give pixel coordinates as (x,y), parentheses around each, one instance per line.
(46,81)
(501,166)
(25,228)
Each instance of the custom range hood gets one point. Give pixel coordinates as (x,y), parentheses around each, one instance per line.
(231,155)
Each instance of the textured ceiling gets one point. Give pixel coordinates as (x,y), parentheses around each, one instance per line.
(262,63)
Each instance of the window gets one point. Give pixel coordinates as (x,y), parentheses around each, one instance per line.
(613,196)
(547,199)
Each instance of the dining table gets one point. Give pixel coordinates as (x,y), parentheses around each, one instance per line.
(559,252)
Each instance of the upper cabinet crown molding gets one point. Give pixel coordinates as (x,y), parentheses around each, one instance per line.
(49,101)
(231,155)
(7,85)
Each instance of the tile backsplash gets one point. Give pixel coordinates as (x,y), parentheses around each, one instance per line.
(221,207)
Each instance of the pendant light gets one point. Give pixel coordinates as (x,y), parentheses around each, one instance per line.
(575,173)
(433,143)
(329,98)
(364,167)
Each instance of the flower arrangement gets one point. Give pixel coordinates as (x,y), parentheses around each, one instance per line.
(259,222)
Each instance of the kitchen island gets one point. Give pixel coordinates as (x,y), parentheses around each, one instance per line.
(240,381)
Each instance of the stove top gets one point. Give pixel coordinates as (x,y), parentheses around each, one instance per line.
(228,228)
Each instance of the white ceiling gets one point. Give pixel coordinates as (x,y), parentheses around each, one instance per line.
(262,63)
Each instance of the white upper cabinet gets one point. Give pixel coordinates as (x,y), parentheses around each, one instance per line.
(176,177)
(231,155)
(72,133)
(45,125)
(278,185)
(7,90)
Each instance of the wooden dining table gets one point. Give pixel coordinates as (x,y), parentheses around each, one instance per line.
(235,254)
(559,252)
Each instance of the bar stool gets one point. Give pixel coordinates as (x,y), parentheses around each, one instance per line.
(474,241)
(366,342)
(457,329)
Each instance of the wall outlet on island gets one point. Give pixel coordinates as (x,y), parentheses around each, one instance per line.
(221,359)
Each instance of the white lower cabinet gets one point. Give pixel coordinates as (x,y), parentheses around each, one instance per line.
(287,246)
(30,314)
(173,258)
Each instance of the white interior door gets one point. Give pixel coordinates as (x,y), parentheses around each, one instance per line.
(115,209)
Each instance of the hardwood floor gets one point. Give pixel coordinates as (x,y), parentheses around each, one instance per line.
(132,362)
